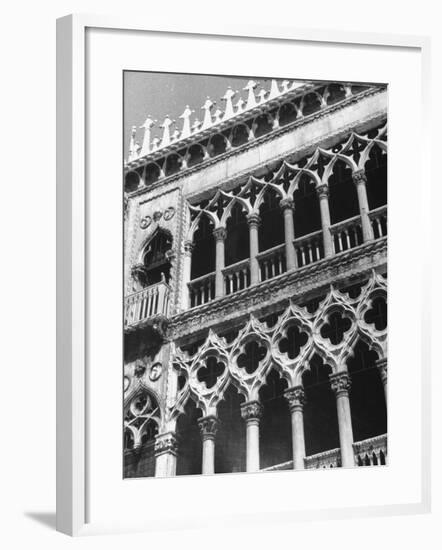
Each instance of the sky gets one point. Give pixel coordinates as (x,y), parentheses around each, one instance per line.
(161,94)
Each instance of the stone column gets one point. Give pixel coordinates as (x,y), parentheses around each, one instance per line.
(383,370)
(252,412)
(340,383)
(187,266)
(208,426)
(360,180)
(254,220)
(287,206)
(220,236)
(165,455)
(296,398)
(322,191)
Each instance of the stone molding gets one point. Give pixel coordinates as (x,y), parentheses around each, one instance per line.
(251,411)
(359,177)
(340,383)
(287,203)
(208,426)
(296,398)
(220,233)
(166,443)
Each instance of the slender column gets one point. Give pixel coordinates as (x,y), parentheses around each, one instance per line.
(187,266)
(296,398)
(287,206)
(252,412)
(208,426)
(165,455)
(322,191)
(254,221)
(220,236)
(360,180)
(383,370)
(340,383)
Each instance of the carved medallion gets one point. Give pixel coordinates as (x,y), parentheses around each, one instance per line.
(145,222)
(155,372)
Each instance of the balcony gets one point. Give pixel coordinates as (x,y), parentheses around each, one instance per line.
(370,452)
(147,307)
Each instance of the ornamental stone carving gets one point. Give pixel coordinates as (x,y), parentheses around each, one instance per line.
(166,443)
(253,219)
(188,247)
(208,426)
(287,203)
(340,383)
(359,177)
(322,191)
(220,233)
(296,398)
(251,411)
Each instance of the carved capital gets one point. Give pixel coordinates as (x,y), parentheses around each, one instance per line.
(165,443)
(208,426)
(296,398)
(322,191)
(251,411)
(220,233)
(253,219)
(383,369)
(287,204)
(340,383)
(359,177)
(188,247)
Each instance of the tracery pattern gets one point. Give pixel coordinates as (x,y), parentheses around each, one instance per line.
(270,352)
(285,180)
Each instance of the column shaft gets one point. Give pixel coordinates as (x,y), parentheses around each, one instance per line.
(254,221)
(252,412)
(340,383)
(208,426)
(360,179)
(187,269)
(382,366)
(289,232)
(322,191)
(296,398)
(220,235)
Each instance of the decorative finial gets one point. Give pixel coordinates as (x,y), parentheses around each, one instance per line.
(175,135)
(240,105)
(251,99)
(155,143)
(132,144)
(148,124)
(285,86)
(207,114)
(196,126)
(166,131)
(228,96)
(218,115)
(274,90)
(262,95)
(186,122)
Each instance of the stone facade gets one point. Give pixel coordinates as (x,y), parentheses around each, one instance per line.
(194,335)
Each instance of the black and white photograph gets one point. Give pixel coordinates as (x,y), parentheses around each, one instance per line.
(255,274)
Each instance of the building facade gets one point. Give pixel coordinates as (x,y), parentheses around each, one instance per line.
(255,257)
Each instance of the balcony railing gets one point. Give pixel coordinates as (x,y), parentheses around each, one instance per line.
(202,290)
(327,459)
(378,219)
(370,452)
(309,248)
(347,234)
(236,276)
(149,302)
(272,262)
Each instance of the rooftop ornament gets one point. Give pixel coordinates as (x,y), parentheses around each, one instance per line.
(189,129)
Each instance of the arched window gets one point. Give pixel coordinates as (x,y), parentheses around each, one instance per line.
(189,457)
(203,255)
(271,228)
(376,172)
(230,448)
(343,195)
(156,263)
(367,397)
(237,241)
(307,215)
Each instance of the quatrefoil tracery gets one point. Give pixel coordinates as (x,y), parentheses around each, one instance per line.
(258,347)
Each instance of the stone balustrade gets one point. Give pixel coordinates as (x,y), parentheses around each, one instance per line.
(347,234)
(272,262)
(378,218)
(236,276)
(147,303)
(309,248)
(202,289)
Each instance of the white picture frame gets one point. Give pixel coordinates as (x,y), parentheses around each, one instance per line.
(77,390)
